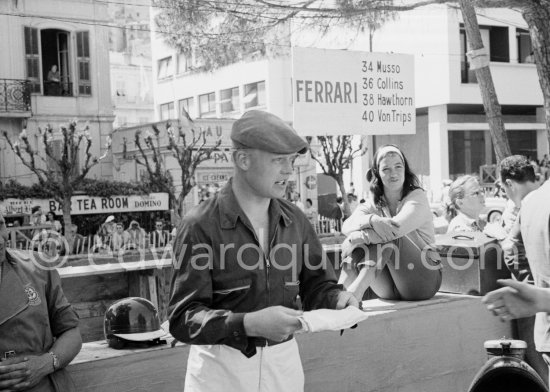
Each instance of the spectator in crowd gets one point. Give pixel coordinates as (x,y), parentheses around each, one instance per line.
(518,180)
(136,236)
(106,230)
(239,323)
(160,237)
(38,235)
(121,238)
(80,243)
(51,219)
(390,237)
(521,299)
(39,332)
(296,200)
(53,75)
(311,213)
(37,216)
(466,202)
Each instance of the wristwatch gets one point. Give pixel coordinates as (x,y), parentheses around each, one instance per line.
(55,360)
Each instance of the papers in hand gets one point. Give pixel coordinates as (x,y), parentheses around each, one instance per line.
(331,320)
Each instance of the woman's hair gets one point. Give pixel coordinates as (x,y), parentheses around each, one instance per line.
(456,191)
(373,176)
(53,214)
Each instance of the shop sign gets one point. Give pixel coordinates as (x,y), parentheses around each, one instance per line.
(214,176)
(82,204)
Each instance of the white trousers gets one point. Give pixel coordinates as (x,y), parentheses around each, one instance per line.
(220,368)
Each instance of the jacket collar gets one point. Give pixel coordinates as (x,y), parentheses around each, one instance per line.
(12,287)
(230,210)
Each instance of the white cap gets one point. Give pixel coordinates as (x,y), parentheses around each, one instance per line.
(110,218)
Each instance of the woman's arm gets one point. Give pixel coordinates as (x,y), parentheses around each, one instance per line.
(359,219)
(414,213)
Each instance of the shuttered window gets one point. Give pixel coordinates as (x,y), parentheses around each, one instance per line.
(83,63)
(32,58)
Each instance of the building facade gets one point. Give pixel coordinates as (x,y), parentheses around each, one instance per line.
(57,71)
(130,63)
(451,125)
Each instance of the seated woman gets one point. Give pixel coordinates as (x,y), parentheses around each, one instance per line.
(394,228)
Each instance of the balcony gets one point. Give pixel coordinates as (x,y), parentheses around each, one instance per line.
(15,98)
(58,89)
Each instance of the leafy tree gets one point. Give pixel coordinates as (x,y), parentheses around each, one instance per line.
(67,173)
(335,156)
(187,147)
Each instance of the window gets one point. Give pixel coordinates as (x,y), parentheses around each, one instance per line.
(50,59)
(184,63)
(468,75)
(495,40)
(32,58)
(167,111)
(499,44)
(207,105)
(467,152)
(189,105)
(165,68)
(254,95)
(229,100)
(525,49)
(83,62)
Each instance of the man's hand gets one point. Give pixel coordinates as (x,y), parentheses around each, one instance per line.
(274,323)
(345,299)
(386,228)
(22,373)
(12,372)
(517,300)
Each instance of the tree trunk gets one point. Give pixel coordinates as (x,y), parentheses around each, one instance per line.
(67,223)
(485,80)
(537,17)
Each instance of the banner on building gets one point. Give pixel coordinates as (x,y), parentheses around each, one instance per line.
(82,204)
(350,92)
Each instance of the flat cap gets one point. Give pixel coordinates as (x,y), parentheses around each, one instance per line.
(264,131)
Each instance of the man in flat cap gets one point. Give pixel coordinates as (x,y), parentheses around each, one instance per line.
(241,260)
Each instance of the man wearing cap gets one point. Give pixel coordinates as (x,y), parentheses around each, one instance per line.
(39,332)
(241,260)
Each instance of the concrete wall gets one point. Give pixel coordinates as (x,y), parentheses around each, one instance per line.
(428,346)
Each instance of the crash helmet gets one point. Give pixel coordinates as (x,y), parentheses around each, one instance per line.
(132,319)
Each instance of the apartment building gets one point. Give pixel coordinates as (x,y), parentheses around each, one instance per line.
(72,36)
(451,128)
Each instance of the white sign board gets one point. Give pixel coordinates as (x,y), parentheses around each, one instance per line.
(82,205)
(340,92)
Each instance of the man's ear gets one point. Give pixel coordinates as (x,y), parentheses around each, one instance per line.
(509,182)
(242,159)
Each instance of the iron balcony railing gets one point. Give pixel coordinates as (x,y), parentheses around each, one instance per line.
(15,95)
